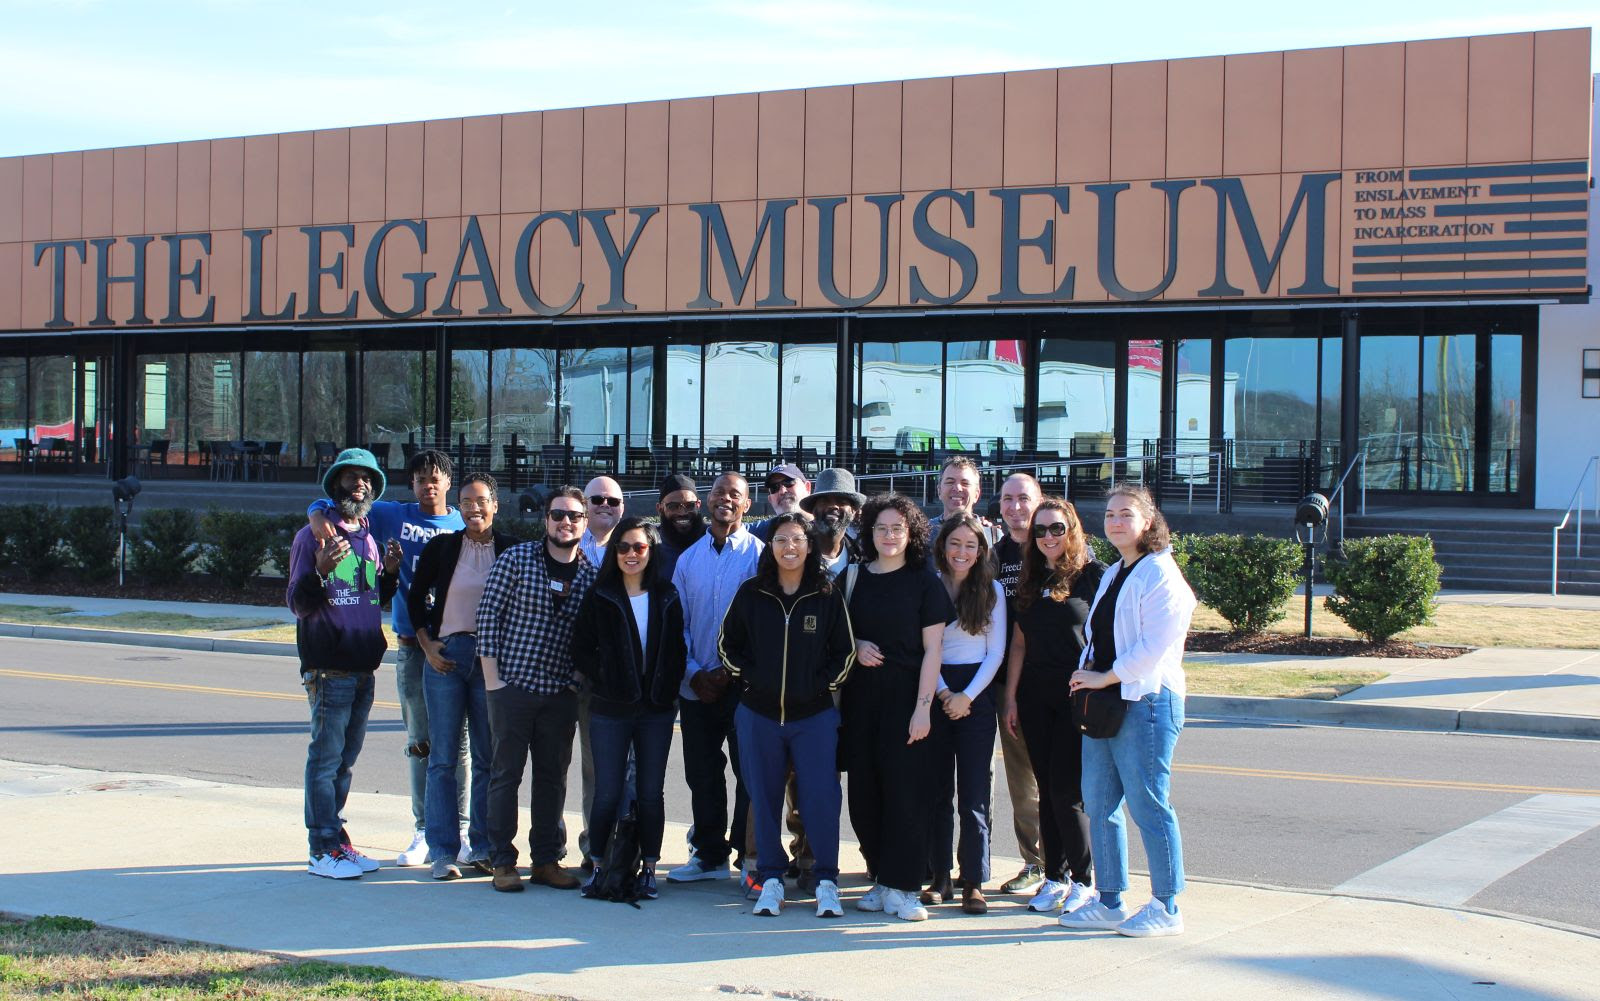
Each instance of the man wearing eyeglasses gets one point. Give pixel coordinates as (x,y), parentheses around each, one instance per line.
(786,487)
(525,617)
(605,509)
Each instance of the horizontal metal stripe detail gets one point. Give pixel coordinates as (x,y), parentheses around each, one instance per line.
(1502,264)
(1469,247)
(1541,188)
(1499,170)
(1471,284)
(1546,225)
(1512,208)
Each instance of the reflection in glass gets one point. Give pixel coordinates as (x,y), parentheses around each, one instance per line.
(322,403)
(984,394)
(13,401)
(1505,412)
(522,400)
(683,395)
(394,402)
(900,395)
(214,397)
(1270,394)
(1144,397)
(641,393)
(469,394)
(1449,406)
(741,393)
(594,394)
(1388,416)
(810,392)
(1077,396)
(1332,401)
(271,395)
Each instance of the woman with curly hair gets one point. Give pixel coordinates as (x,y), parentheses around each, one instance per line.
(898,609)
(1059,578)
(787,643)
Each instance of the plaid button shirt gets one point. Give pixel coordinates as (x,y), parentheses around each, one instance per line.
(519,626)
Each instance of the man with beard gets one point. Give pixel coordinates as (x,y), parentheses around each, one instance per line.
(336,590)
(787,489)
(707,576)
(525,617)
(834,506)
(682,524)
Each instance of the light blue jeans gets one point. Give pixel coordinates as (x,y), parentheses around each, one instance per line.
(1136,766)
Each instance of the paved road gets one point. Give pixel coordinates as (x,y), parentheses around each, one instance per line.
(1501,823)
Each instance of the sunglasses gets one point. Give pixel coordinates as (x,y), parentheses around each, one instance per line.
(779,483)
(562,514)
(682,506)
(629,548)
(1055,528)
(599,501)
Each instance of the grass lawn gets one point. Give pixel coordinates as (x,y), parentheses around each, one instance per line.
(284,633)
(1454,625)
(1288,681)
(55,957)
(153,622)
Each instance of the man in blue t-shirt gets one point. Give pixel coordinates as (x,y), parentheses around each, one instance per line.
(412,525)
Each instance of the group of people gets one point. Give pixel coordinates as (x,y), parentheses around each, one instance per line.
(844,634)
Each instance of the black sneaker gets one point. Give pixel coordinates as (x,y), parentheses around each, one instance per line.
(592,887)
(647,884)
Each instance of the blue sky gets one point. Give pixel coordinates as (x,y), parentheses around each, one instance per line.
(82,74)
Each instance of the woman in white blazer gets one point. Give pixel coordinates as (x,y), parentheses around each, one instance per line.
(1135,637)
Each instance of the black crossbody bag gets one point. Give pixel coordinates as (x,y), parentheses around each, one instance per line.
(1099,712)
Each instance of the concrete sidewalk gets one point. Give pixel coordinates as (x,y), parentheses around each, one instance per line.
(222,864)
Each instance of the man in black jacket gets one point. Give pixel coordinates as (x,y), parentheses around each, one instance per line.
(443,604)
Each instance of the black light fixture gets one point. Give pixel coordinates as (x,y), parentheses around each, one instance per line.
(1310,516)
(123,492)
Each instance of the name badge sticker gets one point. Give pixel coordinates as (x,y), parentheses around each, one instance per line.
(557,585)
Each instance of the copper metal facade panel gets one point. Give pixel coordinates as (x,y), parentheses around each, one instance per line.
(1391,143)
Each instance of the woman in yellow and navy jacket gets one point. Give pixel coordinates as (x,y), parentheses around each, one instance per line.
(786,641)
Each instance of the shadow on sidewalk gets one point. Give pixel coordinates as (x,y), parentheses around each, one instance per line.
(1387,977)
(1468,685)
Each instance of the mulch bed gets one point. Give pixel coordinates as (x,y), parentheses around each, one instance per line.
(1316,646)
(195,588)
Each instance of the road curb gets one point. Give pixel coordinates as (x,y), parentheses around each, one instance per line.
(1425,718)
(167,641)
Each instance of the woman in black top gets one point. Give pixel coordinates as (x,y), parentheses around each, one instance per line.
(898,609)
(628,642)
(1058,583)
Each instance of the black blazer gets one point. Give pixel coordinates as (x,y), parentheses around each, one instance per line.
(430,582)
(605,649)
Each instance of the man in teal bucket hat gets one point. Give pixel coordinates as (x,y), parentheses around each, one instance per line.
(336,589)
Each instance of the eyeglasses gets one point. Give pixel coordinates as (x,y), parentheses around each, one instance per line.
(562,514)
(779,483)
(892,531)
(1055,528)
(628,548)
(789,541)
(681,507)
(599,501)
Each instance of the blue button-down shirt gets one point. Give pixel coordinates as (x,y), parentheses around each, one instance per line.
(707,580)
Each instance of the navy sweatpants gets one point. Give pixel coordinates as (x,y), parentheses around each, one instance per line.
(767,750)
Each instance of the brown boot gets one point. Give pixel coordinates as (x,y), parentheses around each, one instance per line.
(972,901)
(939,890)
(506,879)
(551,874)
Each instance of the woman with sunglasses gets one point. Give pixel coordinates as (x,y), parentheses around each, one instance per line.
(964,721)
(898,609)
(628,642)
(1058,582)
(787,643)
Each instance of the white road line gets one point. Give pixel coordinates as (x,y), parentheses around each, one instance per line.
(1455,867)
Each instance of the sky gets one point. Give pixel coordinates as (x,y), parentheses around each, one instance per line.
(85,74)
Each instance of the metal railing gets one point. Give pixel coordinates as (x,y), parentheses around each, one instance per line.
(1576,504)
(1358,460)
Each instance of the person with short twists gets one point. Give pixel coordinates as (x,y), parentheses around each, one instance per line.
(899,611)
(964,721)
(1134,648)
(786,641)
(1059,577)
(628,642)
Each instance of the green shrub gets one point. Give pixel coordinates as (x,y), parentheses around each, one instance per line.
(35,539)
(234,545)
(165,545)
(8,516)
(521,529)
(284,528)
(1246,579)
(1384,585)
(1104,551)
(91,539)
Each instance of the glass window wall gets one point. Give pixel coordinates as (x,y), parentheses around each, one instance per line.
(810,394)
(213,398)
(13,402)
(741,394)
(1144,395)
(1449,412)
(684,385)
(522,400)
(901,395)
(985,393)
(641,393)
(1388,421)
(1505,413)
(323,401)
(394,402)
(272,398)
(594,395)
(469,394)
(159,403)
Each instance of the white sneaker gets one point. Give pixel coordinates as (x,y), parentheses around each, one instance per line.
(465,854)
(771,901)
(872,900)
(333,865)
(417,854)
(903,905)
(1076,897)
(1094,916)
(1049,896)
(366,862)
(692,871)
(828,905)
(1152,921)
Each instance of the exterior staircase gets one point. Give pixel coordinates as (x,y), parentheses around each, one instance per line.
(1494,554)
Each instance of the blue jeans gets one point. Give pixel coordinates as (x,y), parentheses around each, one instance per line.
(453,697)
(339,707)
(1136,766)
(409,664)
(767,751)
(649,736)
